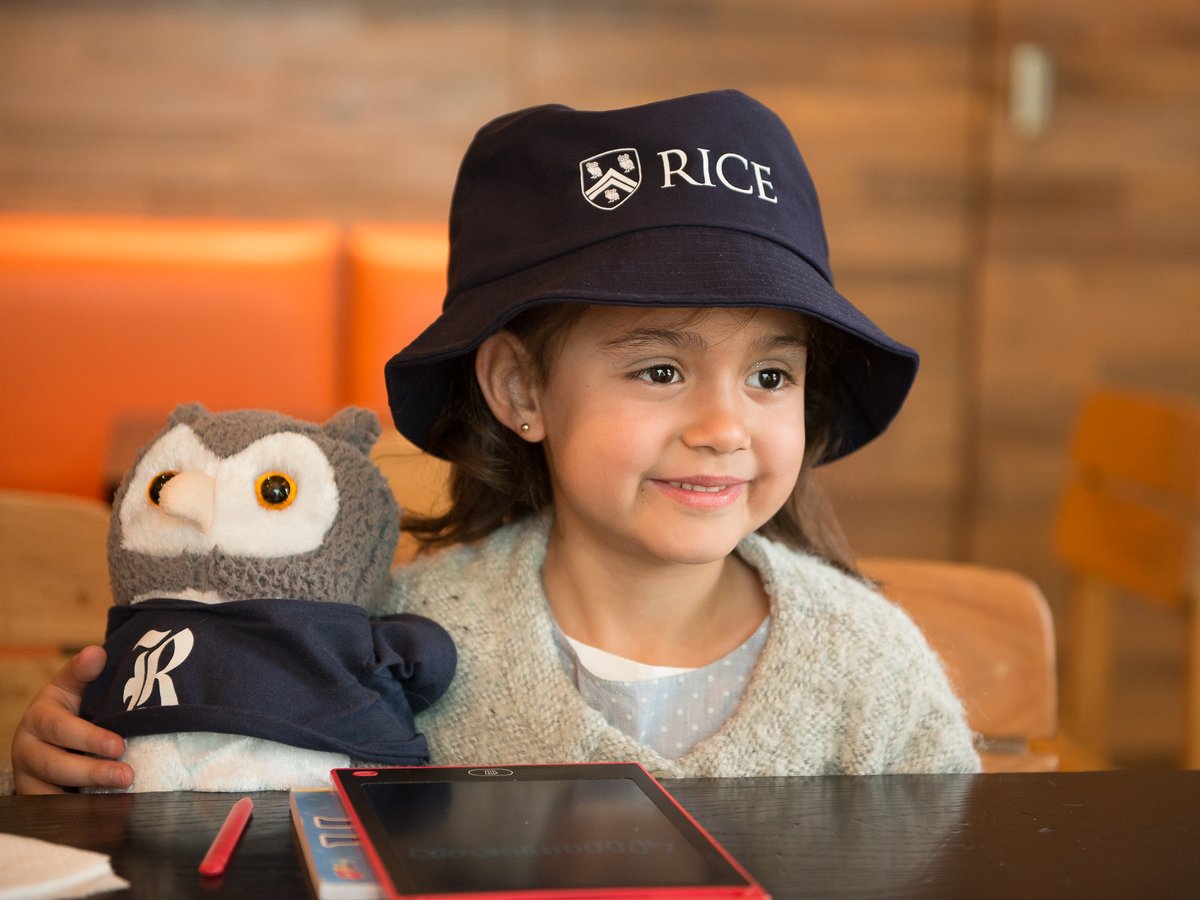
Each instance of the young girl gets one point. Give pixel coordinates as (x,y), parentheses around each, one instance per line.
(640,360)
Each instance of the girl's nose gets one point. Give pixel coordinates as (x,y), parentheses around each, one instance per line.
(717,423)
(190,496)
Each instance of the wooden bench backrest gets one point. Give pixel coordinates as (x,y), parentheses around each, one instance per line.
(396,282)
(993,630)
(107,319)
(1130,513)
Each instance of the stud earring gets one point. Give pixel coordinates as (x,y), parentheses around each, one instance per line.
(524,426)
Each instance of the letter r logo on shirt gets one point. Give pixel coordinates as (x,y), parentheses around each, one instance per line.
(150,669)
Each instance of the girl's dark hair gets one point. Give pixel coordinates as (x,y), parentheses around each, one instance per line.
(497,478)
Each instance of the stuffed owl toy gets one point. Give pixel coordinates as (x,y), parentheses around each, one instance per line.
(245,548)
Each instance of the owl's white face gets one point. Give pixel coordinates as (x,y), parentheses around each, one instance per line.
(278,497)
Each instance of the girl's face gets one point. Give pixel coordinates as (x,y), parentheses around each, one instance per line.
(672,434)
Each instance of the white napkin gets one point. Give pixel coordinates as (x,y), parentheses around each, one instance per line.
(31,868)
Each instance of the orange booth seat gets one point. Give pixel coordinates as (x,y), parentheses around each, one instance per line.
(111,320)
(396,280)
(108,323)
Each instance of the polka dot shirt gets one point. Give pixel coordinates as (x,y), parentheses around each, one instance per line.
(669,709)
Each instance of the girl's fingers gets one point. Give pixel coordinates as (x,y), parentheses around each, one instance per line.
(80,671)
(51,728)
(52,719)
(46,769)
(54,714)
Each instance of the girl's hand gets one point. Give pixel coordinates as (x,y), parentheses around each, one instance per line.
(43,761)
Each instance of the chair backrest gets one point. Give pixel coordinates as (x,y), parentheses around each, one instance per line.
(53,569)
(397,279)
(1129,527)
(1130,512)
(54,594)
(993,631)
(110,318)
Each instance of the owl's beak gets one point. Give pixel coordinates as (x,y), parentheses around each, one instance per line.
(190,496)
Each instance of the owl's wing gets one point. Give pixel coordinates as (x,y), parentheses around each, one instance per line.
(418,653)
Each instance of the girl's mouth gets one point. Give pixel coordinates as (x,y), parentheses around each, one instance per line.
(702,488)
(711,493)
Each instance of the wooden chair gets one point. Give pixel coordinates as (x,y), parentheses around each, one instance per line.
(54,594)
(1129,526)
(991,627)
(993,631)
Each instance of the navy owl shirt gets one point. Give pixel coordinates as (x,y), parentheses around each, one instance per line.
(322,676)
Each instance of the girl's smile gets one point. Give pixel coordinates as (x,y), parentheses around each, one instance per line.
(702,492)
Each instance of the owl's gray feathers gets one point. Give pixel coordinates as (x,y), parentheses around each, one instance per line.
(228,432)
(348,562)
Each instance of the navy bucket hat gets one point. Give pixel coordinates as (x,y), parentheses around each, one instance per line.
(700,201)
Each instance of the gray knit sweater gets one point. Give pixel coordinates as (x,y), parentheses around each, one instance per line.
(845,684)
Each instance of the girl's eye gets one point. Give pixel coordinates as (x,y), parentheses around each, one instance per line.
(769,379)
(659,374)
(276,491)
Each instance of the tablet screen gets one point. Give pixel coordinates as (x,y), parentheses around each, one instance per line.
(580,828)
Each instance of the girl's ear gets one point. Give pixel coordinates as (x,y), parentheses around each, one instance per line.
(507,377)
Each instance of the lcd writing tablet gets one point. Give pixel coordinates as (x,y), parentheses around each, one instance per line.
(589,830)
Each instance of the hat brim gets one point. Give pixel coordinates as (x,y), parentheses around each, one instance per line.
(675,266)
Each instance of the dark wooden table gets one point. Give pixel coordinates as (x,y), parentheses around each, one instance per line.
(1093,835)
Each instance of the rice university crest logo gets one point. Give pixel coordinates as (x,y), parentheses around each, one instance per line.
(164,651)
(609,179)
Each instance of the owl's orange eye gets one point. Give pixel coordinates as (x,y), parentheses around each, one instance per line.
(154,489)
(276,491)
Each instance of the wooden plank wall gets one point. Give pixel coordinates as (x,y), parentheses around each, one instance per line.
(1023,268)
(1091,267)
(361,110)
(1090,273)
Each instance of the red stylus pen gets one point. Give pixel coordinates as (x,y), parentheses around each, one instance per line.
(218,854)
